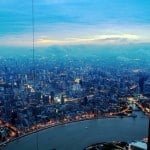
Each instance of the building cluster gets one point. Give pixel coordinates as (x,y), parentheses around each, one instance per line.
(137,145)
(65,89)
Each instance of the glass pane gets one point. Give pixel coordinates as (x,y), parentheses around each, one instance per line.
(73,70)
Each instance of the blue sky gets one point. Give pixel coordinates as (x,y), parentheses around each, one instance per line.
(74,22)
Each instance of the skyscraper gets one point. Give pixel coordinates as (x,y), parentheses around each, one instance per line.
(142,80)
(52,96)
(62,99)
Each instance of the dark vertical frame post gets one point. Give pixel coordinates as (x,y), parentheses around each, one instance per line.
(148,144)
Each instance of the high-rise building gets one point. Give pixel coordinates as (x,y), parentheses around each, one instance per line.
(62,99)
(142,80)
(52,96)
(147,88)
(138,146)
(46,99)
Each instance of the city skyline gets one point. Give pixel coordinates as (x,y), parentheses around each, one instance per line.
(72,70)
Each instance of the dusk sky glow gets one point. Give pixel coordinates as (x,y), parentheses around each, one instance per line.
(64,22)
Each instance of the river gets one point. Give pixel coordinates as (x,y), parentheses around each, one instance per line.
(77,135)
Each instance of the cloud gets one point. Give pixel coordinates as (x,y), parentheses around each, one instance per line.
(70,34)
(95,39)
(26,40)
(16,40)
(74,21)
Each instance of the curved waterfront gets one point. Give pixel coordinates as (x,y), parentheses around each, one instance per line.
(77,135)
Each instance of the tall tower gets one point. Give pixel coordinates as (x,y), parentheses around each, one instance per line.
(142,79)
(52,96)
(62,99)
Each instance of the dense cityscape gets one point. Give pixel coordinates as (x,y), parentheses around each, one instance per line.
(55,90)
(75,75)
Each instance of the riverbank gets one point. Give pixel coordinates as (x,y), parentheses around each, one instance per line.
(52,126)
(42,126)
(98,129)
